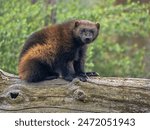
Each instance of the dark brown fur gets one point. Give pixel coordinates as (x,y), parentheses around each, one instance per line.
(55,50)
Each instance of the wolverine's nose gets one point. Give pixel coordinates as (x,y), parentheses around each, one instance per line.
(87,40)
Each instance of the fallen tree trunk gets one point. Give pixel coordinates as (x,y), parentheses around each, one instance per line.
(98,94)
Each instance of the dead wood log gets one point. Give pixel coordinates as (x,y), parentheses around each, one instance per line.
(98,94)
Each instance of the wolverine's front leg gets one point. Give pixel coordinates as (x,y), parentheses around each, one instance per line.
(79,70)
(68,71)
(79,64)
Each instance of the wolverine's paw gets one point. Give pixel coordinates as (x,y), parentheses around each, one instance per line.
(83,77)
(92,74)
(68,78)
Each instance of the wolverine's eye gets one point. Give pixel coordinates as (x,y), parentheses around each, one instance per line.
(83,30)
(91,31)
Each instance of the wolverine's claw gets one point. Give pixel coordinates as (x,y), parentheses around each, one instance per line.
(83,79)
(92,74)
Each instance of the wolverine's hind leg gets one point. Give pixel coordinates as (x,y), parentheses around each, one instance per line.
(52,75)
(35,71)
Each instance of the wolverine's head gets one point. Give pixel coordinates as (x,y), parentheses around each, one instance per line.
(86,31)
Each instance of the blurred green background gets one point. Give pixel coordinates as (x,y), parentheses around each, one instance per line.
(122,48)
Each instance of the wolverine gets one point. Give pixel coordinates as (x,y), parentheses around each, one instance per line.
(58,50)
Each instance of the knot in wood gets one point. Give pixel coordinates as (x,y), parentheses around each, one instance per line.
(79,95)
(14,94)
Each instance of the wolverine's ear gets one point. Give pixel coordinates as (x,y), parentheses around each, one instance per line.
(98,25)
(77,23)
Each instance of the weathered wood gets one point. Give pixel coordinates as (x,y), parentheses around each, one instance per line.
(98,94)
